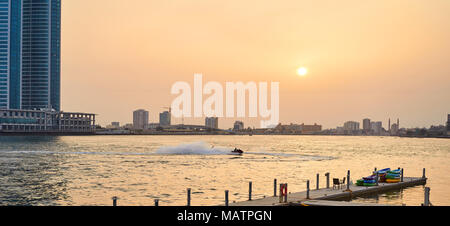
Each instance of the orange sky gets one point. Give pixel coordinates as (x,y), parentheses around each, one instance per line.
(375,59)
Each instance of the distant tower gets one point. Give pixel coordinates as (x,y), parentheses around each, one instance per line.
(448,124)
(165,118)
(140,119)
(212,122)
(30,54)
(366,125)
(398,123)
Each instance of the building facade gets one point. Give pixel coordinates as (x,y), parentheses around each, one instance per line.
(311,129)
(238,125)
(351,126)
(140,119)
(298,128)
(12,121)
(377,127)
(30,53)
(165,118)
(212,122)
(366,125)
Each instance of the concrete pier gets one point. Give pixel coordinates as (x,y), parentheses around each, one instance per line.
(353,191)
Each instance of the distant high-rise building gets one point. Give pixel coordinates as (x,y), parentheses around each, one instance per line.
(238,125)
(140,119)
(165,118)
(366,125)
(30,46)
(448,122)
(376,127)
(351,126)
(212,122)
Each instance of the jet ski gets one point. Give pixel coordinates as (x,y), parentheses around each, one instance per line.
(237,151)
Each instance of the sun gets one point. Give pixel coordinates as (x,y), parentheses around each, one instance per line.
(302,71)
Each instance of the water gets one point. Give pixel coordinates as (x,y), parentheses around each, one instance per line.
(89,170)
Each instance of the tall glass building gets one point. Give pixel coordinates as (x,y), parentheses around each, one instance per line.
(30,46)
(4,53)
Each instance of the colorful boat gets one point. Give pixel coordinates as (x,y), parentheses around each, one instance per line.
(397,171)
(382,171)
(392,180)
(392,176)
(370,181)
(359,182)
(384,176)
(369,177)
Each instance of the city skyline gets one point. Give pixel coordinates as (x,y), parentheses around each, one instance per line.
(130,54)
(364,124)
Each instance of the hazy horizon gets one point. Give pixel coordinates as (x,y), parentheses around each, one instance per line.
(365,59)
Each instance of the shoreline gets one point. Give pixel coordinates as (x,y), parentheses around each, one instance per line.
(11,134)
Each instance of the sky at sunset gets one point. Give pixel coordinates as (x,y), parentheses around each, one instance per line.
(374,59)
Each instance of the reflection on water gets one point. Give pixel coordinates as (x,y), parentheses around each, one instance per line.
(394,197)
(89,170)
(31,179)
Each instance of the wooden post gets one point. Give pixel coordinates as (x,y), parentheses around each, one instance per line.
(283,187)
(274,187)
(317,180)
(427,197)
(156,202)
(281,193)
(250,191)
(423,176)
(307,189)
(286,189)
(348,180)
(376,178)
(328,179)
(114,200)
(226,197)
(188,197)
(401,179)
